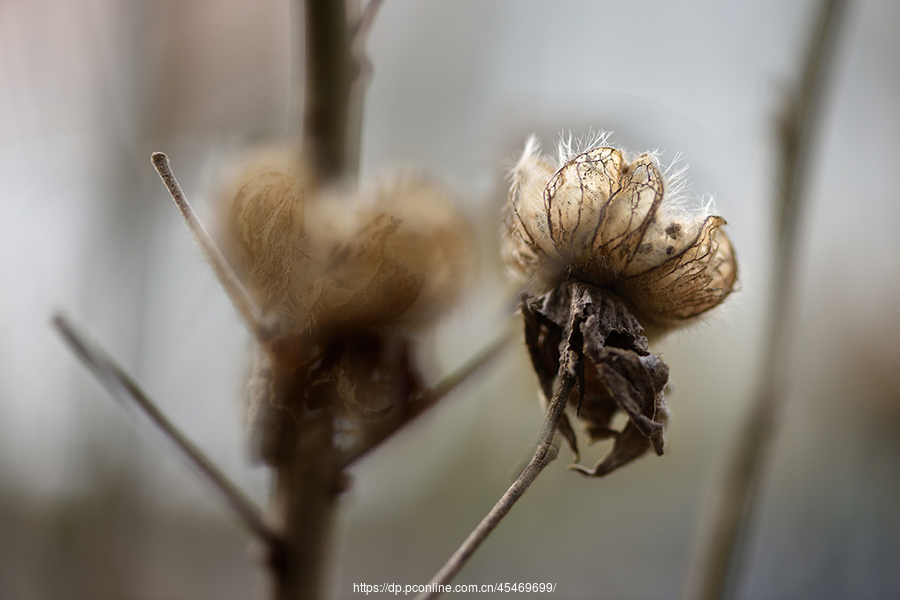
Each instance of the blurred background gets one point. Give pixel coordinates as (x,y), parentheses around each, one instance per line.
(93,504)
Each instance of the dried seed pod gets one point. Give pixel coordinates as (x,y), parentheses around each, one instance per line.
(432,241)
(608,253)
(397,255)
(268,242)
(609,222)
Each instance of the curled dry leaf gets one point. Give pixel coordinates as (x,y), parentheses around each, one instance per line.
(614,370)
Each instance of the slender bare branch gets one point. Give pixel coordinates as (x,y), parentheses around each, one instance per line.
(543,456)
(445,387)
(226,275)
(361,74)
(474,364)
(738,497)
(123,387)
(364,25)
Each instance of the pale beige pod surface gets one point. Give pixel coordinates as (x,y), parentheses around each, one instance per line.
(262,232)
(335,260)
(606,221)
(432,240)
(399,255)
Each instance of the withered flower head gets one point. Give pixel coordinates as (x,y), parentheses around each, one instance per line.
(396,256)
(616,224)
(607,251)
(393,256)
(343,281)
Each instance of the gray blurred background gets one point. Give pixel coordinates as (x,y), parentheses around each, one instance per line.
(94,505)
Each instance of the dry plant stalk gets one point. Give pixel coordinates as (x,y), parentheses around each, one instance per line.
(341,282)
(334,314)
(606,250)
(718,568)
(334,285)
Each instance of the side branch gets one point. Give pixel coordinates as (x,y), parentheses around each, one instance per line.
(543,456)
(123,387)
(226,275)
(380,433)
(360,74)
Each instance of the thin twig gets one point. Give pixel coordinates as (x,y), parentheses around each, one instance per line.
(474,364)
(739,495)
(543,456)
(123,387)
(445,387)
(226,275)
(364,25)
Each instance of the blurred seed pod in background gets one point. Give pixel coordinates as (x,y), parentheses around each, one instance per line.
(396,255)
(344,280)
(261,228)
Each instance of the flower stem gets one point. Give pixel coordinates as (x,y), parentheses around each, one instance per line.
(327,93)
(307,475)
(543,456)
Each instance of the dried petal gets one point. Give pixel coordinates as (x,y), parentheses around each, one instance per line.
(690,282)
(362,285)
(432,241)
(527,244)
(577,202)
(401,258)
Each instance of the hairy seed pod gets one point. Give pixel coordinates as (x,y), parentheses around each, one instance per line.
(338,261)
(344,280)
(606,221)
(432,240)
(396,257)
(268,244)
(261,228)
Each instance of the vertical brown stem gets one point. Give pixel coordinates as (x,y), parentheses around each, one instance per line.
(306,471)
(327,92)
(305,502)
